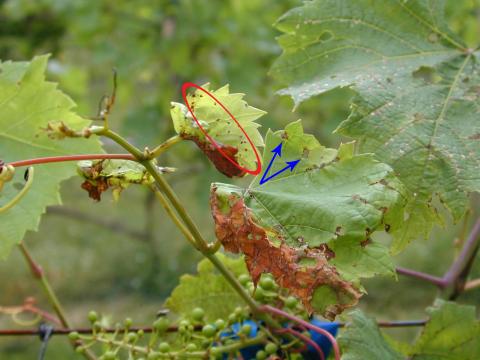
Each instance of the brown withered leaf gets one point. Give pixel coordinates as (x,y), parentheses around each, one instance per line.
(221,162)
(238,233)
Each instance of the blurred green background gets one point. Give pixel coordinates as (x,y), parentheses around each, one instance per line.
(123,259)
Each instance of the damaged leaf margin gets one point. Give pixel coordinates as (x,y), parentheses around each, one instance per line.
(311,228)
(220,126)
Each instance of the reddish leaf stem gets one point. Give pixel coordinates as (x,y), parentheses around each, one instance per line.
(53,159)
(305,339)
(460,268)
(330,337)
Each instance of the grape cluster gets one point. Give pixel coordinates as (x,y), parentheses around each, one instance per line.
(194,338)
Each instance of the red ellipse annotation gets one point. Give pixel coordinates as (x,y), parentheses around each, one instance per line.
(257,171)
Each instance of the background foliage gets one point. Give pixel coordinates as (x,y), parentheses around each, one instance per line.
(155,46)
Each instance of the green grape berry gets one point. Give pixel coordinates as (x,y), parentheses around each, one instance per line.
(153,356)
(74,336)
(128,322)
(92,316)
(80,349)
(267,283)
(246,329)
(161,324)
(215,351)
(261,355)
(164,347)
(209,330)
(198,314)
(271,348)
(244,279)
(232,318)
(132,337)
(291,302)
(220,324)
(191,347)
(259,294)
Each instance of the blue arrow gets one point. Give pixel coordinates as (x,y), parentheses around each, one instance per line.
(277,152)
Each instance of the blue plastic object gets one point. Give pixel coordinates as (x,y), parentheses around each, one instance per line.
(320,340)
(249,353)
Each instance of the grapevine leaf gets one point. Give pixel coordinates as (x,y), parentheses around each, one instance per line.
(208,290)
(221,127)
(100,175)
(452,331)
(27,104)
(363,340)
(418,89)
(311,228)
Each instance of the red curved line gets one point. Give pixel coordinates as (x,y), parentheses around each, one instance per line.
(321,331)
(257,171)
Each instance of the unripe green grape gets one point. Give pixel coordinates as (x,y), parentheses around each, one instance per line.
(153,356)
(164,347)
(259,294)
(215,351)
(261,355)
(92,316)
(80,349)
(209,330)
(220,324)
(271,348)
(244,279)
(74,336)
(97,325)
(291,302)
(128,322)
(267,283)
(198,314)
(246,329)
(161,324)
(140,333)
(191,347)
(132,337)
(232,318)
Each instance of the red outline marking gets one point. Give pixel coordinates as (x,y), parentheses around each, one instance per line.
(257,171)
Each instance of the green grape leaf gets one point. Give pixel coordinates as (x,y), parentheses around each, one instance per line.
(208,290)
(100,175)
(221,127)
(452,331)
(310,227)
(27,104)
(418,93)
(363,340)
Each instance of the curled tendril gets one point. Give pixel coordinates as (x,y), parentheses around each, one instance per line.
(6,175)
(18,312)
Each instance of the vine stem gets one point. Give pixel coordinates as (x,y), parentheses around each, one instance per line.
(459,269)
(39,274)
(149,329)
(169,199)
(160,149)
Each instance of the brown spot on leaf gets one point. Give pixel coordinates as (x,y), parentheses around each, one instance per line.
(366,242)
(475,136)
(234,230)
